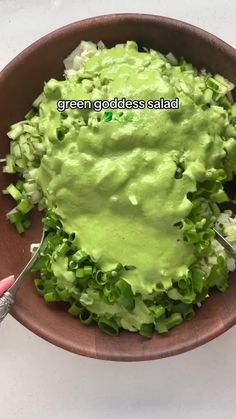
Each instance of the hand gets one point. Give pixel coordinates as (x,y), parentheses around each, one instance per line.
(6,283)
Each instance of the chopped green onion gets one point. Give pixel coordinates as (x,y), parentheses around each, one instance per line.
(30,114)
(157,311)
(37,101)
(223,81)
(14,216)
(73,264)
(14,192)
(172,59)
(63,294)
(25,206)
(10,164)
(39,283)
(85,316)
(207,97)
(100,277)
(27,223)
(80,257)
(88,270)
(79,273)
(109,326)
(146,330)
(62,249)
(20,227)
(20,185)
(75,310)
(186,310)
(174,320)
(50,297)
(16,131)
(161,327)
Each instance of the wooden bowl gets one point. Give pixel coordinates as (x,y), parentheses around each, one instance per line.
(20,82)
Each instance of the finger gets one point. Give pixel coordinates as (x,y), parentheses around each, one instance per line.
(6,283)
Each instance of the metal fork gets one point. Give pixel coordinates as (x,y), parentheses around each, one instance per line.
(225,243)
(8,298)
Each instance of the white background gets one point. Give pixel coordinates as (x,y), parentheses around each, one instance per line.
(40,381)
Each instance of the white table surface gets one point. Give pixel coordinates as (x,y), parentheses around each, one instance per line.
(41,381)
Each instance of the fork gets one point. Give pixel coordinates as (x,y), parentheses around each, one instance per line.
(8,298)
(222,240)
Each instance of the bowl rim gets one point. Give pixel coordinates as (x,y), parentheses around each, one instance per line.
(89,22)
(116,16)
